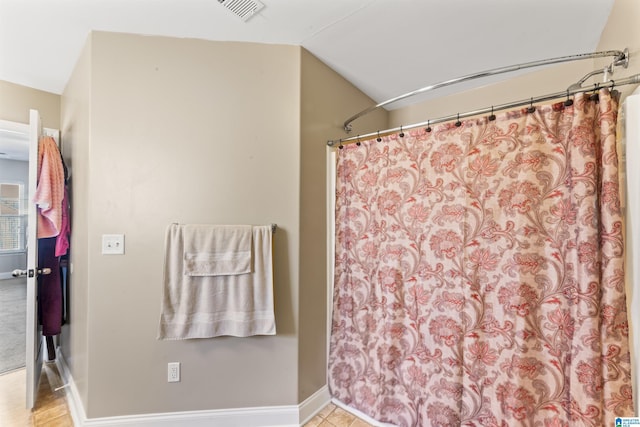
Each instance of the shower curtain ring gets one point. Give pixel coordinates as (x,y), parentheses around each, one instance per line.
(401,133)
(492,117)
(358,143)
(378,138)
(428,129)
(531,108)
(341,146)
(594,96)
(458,122)
(613,84)
(568,102)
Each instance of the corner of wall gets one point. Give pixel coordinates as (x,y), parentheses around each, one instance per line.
(75,112)
(326,100)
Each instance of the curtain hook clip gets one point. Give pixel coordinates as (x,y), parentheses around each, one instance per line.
(401,132)
(613,84)
(492,117)
(358,143)
(428,129)
(594,96)
(341,146)
(458,122)
(378,138)
(568,102)
(531,108)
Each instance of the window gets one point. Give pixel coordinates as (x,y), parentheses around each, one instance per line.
(12,218)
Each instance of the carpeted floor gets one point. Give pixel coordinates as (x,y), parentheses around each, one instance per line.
(13,303)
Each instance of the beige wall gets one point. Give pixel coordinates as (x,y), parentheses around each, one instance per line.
(163,130)
(327,99)
(621,31)
(187,131)
(76,133)
(16,101)
(157,130)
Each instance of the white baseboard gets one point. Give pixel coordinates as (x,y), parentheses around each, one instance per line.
(76,409)
(273,416)
(313,404)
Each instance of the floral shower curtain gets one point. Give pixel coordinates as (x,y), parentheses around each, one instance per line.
(479,273)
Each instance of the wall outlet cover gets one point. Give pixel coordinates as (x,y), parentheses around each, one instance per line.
(113,244)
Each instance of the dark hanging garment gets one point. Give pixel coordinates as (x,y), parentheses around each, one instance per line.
(49,288)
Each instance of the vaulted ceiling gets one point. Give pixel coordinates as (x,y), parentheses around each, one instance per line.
(384,47)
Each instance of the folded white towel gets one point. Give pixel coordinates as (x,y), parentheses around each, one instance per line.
(209,306)
(217,250)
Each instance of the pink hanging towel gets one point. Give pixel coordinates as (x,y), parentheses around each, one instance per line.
(62,240)
(50,188)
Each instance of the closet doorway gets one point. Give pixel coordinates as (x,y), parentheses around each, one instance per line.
(18,246)
(14,179)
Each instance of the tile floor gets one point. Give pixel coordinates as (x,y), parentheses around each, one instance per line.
(334,416)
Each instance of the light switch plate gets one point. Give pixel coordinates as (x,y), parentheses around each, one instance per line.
(113,244)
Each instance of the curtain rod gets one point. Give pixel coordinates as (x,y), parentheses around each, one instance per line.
(635,79)
(621,59)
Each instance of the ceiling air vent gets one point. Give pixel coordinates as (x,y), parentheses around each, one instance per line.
(245,9)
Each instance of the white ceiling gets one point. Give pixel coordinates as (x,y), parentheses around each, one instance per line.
(384,47)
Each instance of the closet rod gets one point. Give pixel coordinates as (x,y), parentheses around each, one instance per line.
(621,59)
(635,79)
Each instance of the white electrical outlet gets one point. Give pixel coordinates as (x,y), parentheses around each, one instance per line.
(173,372)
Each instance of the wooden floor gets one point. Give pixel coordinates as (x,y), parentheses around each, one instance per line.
(51,408)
